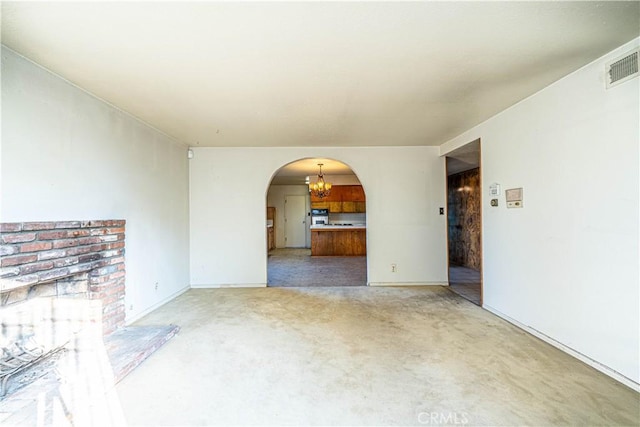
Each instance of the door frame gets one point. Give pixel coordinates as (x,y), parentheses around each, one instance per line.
(480,216)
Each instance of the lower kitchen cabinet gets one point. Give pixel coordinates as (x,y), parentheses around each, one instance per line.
(339,242)
(271,230)
(271,239)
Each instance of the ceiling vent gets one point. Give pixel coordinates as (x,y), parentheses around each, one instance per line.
(622,68)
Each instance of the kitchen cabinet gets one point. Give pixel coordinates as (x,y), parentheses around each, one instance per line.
(335,207)
(355,193)
(271,239)
(349,207)
(319,205)
(343,198)
(271,229)
(339,242)
(334,196)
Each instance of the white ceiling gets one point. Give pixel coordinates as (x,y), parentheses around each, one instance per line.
(315,73)
(295,173)
(464,158)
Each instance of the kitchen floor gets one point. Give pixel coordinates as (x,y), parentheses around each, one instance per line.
(359,356)
(296,267)
(465,282)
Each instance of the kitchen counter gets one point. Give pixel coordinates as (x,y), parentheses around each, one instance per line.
(337,227)
(338,240)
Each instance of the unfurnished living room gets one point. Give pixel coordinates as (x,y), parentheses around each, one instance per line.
(320,213)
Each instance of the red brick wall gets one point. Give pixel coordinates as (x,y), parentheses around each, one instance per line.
(66,258)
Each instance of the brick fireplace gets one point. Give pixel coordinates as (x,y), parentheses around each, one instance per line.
(71,259)
(63,342)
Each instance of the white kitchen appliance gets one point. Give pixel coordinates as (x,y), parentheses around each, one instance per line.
(319,216)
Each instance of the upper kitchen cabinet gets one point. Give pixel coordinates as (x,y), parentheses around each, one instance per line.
(334,196)
(356,193)
(319,205)
(343,198)
(335,207)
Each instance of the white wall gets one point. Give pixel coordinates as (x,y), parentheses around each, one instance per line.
(338,179)
(567,263)
(405,186)
(347,217)
(67,155)
(275,197)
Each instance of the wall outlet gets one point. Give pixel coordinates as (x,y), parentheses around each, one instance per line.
(156,286)
(131,307)
(394,268)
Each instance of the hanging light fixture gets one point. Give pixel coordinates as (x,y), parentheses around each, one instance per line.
(320,188)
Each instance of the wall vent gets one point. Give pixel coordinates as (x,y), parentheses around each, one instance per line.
(622,68)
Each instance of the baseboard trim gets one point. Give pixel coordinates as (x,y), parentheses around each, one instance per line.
(233,285)
(583,358)
(155,306)
(408,284)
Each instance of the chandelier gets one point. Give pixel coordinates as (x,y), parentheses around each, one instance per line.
(320,188)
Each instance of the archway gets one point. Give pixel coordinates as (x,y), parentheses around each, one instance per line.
(316,240)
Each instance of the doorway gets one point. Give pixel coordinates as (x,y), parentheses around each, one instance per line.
(464,221)
(295,221)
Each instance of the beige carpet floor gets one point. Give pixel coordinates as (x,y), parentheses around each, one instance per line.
(465,282)
(359,356)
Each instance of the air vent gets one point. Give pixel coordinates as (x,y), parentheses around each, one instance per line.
(622,69)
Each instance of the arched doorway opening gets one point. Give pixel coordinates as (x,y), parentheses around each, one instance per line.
(316,239)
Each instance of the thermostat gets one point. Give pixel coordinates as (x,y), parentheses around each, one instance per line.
(514,197)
